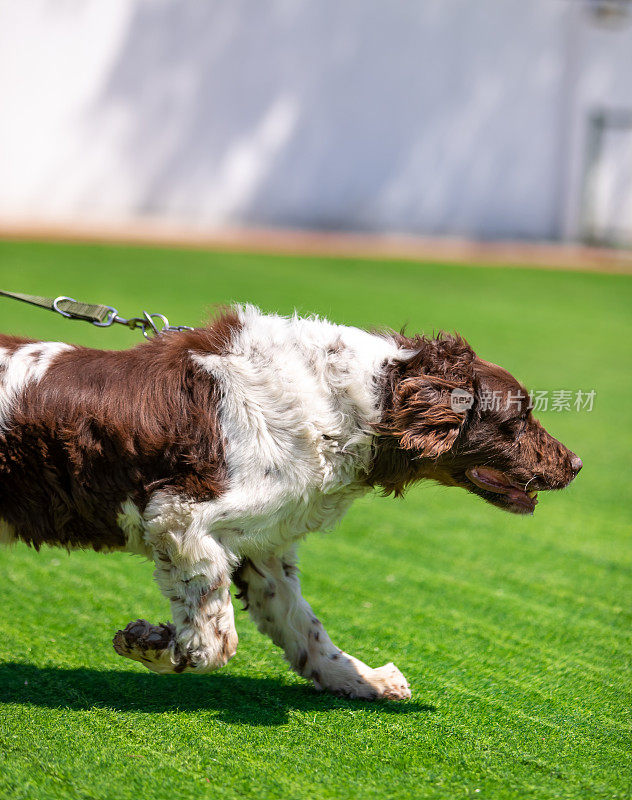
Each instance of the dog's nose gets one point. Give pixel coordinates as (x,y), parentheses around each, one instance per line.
(576,464)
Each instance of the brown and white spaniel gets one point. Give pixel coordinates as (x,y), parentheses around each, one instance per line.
(213,451)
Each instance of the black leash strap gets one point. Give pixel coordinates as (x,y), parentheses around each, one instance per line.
(99,315)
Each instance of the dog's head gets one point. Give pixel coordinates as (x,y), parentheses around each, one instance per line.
(451,417)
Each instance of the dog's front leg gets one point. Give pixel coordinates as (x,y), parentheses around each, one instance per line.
(202,636)
(271,591)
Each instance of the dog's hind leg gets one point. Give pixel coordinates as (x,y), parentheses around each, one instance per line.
(271,591)
(202,636)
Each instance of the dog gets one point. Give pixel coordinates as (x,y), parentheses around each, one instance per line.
(213,451)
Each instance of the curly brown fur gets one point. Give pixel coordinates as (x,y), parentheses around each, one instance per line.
(100,427)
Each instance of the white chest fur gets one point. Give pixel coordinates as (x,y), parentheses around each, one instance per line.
(299,399)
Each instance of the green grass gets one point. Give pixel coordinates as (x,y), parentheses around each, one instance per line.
(514,633)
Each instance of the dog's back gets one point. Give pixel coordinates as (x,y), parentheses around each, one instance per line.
(82,431)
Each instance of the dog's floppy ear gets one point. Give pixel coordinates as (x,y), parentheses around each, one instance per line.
(429,393)
(428,413)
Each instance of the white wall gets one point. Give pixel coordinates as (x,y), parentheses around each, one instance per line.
(599,64)
(430,116)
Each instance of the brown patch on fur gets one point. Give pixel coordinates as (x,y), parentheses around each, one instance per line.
(241,583)
(12,343)
(301,661)
(227,652)
(102,426)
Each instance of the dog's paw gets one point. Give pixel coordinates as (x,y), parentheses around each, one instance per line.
(390,683)
(151,645)
(383,683)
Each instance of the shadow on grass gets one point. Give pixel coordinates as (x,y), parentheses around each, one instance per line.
(243,700)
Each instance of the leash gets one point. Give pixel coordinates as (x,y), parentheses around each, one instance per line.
(99,315)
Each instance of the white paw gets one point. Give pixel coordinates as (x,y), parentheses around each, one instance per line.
(390,683)
(364,683)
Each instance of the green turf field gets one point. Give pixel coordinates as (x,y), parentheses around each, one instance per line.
(513,632)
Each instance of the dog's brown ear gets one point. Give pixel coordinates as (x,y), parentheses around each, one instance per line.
(427,414)
(429,393)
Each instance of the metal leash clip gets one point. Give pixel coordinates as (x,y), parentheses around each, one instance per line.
(148,323)
(148,326)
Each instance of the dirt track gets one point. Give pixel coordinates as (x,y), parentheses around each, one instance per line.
(291,242)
